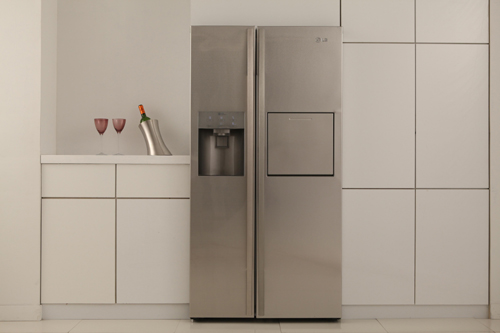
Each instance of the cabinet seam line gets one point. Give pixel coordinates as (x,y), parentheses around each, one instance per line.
(116,236)
(415,167)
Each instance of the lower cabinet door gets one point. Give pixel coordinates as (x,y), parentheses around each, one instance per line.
(153,251)
(78,251)
(452,247)
(378,241)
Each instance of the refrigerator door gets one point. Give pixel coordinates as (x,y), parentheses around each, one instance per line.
(299,201)
(222,172)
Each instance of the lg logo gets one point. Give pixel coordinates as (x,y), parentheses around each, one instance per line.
(319,40)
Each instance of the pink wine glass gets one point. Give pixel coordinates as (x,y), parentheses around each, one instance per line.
(119,124)
(101,124)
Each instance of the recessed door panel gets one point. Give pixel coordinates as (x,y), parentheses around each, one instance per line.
(300,144)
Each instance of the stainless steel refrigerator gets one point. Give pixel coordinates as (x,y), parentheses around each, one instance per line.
(266,172)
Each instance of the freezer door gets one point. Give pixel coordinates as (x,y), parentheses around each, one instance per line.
(299,173)
(222,188)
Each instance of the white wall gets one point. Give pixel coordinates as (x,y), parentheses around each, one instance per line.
(114,55)
(20,68)
(49,78)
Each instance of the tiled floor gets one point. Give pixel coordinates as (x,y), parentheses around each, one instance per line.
(186,326)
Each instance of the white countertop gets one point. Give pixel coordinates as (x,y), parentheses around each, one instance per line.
(114,159)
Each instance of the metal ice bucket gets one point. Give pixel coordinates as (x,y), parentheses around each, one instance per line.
(154,142)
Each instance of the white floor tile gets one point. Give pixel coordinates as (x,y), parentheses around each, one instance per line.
(433,325)
(125,326)
(44,326)
(186,326)
(492,324)
(340,326)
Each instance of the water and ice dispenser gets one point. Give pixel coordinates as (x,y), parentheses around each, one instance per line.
(221,145)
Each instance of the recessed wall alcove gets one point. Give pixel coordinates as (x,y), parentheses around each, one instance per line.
(101,59)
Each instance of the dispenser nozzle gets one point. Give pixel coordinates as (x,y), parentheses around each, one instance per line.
(222,131)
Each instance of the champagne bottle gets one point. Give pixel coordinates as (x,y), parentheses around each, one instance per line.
(143,114)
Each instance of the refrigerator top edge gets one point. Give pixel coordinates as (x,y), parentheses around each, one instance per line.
(268,26)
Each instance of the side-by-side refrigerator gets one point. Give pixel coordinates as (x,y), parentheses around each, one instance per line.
(266,172)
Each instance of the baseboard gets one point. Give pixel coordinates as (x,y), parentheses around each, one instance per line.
(414,311)
(495,311)
(115,311)
(20,312)
(181,311)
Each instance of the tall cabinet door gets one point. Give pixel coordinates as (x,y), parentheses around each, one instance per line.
(379,116)
(452,116)
(299,173)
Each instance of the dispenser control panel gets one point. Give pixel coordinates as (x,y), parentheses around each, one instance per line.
(212,119)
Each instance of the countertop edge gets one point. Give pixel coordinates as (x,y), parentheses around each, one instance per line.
(114,159)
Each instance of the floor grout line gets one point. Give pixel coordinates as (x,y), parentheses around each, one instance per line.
(378,321)
(477,319)
(78,322)
(177,326)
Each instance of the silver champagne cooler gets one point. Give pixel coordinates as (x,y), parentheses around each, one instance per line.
(150,129)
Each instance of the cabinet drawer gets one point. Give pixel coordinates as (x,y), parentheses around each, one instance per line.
(153,181)
(75,180)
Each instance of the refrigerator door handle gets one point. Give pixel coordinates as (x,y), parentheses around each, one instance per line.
(261,162)
(250,146)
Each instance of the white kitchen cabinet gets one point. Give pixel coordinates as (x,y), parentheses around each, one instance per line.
(452,21)
(452,247)
(78,180)
(379,116)
(378,247)
(452,116)
(79,261)
(153,251)
(153,181)
(378,20)
(78,251)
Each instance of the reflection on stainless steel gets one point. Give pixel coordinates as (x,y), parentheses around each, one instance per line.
(154,142)
(266,180)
